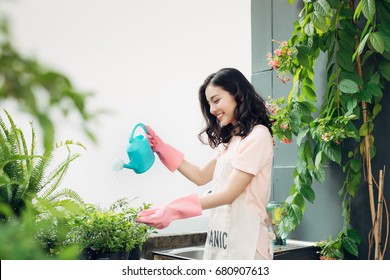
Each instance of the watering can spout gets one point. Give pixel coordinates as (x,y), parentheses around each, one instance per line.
(131,165)
(119,165)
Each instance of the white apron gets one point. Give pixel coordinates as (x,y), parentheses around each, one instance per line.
(233,229)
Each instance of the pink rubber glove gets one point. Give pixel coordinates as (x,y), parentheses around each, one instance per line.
(181,208)
(168,155)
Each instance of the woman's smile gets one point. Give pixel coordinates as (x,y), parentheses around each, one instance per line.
(222,105)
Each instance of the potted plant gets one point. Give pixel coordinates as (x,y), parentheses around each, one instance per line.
(109,233)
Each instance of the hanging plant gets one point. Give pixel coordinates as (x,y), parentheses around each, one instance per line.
(355,37)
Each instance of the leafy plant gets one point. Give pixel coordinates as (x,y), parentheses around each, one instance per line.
(334,249)
(29,187)
(355,38)
(20,238)
(51,219)
(25,176)
(40,91)
(110,230)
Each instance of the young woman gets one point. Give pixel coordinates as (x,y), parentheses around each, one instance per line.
(237,123)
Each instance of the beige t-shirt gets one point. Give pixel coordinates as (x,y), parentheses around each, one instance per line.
(254,155)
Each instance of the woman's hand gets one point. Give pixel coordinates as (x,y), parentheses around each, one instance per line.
(168,155)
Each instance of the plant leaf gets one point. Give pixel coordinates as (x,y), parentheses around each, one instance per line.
(361,46)
(309,93)
(384,67)
(377,42)
(333,152)
(307,192)
(374,89)
(319,174)
(318,21)
(376,110)
(356,165)
(348,86)
(302,134)
(368,9)
(350,246)
(322,7)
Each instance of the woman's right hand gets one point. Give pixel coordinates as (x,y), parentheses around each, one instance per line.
(169,156)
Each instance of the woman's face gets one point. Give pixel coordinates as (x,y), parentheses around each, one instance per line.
(222,105)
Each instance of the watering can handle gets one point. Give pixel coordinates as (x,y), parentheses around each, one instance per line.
(135,127)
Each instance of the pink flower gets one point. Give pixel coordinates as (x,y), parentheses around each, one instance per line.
(284,126)
(326,137)
(283,79)
(274,63)
(284,44)
(286,140)
(278,52)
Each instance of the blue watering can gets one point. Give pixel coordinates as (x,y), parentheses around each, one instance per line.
(139,152)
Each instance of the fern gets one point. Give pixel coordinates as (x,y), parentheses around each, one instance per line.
(56,176)
(64,194)
(24,175)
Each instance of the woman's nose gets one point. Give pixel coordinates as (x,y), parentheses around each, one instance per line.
(212,109)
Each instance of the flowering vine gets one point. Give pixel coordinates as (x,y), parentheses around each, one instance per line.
(281,60)
(355,39)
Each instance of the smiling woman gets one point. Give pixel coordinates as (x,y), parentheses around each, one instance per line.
(222,105)
(144,61)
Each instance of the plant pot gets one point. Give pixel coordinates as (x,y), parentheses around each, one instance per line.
(112,256)
(135,254)
(90,254)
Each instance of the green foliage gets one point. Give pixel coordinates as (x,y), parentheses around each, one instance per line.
(25,175)
(33,210)
(356,42)
(110,230)
(40,91)
(334,249)
(21,238)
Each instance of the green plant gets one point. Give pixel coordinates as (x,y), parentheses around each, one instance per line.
(24,174)
(355,38)
(29,183)
(51,219)
(21,238)
(110,230)
(333,249)
(40,91)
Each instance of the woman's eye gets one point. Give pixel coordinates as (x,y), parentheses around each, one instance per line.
(217,101)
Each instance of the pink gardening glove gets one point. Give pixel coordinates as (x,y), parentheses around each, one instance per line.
(181,208)
(168,155)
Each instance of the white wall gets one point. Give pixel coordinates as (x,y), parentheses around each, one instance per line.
(145,61)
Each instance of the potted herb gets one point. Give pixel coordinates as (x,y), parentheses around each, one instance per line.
(109,233)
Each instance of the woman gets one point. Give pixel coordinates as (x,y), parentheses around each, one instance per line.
(237,123)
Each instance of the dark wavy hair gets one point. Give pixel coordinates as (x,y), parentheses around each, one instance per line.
(250,110)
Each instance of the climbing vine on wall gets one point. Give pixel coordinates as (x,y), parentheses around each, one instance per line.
(355,38)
